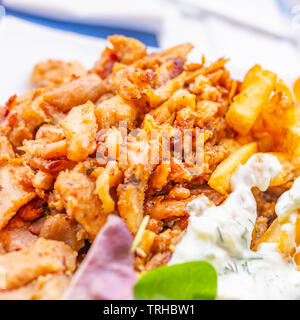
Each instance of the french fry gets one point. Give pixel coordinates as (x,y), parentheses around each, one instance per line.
(247,105)
(297,241)
(275,234)
(282,87)
(287,168)
(279,112)
(248,79)
(296,89)
(290,140)
(297,112)
(220,179)
(297,230)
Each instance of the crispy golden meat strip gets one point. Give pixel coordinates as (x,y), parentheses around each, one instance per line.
(6,150)
(16,239)
(124,50)
(128,50)
(75,192)
(180,99)
(42,149)
(111,112)
(179,51)
(80,128)
(130,82)
(158,259)
(52,286)
(160,176)
(130,205)
(157,59)
(33,210)
(131,193)
(76,92)
(53,73)
(51,166)
(24,114)
(155,97)
(28,108)
(162,209)
(49,133)
(42,181)
(48,287)
(61,227)
(168,70)
(15,189)
(110,177)
(16,235)
(43,257)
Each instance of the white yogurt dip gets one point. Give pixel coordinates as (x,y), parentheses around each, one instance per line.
(222,236)
(289,202)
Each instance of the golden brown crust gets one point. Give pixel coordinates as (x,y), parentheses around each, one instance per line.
(44,256)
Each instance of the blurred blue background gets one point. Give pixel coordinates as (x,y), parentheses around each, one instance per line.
(100,18)
(100,31)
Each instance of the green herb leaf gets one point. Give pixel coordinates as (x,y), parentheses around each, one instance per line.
(139,234)
(195,280)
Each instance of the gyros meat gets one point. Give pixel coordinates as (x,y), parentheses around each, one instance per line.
(98,167)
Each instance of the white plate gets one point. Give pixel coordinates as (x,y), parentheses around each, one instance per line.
(23,44)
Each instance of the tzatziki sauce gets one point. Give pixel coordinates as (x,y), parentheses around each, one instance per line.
(222,235)
(289,202)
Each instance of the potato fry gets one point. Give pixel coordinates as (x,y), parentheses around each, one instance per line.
(278,113)
(247,105)
(220,179)
(290,140)
(297,241)
(296,89)
(297,230)
(286,173)
(281,86)
(297,112)
(275,234)
(250,76)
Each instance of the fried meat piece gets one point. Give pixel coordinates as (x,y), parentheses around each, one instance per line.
(6,150)
(48,287)
(76,92)
(76,192)
(61,227)
(124,50)
(52,73)
(131,194)
(80,128)
(111,112)
(43,257)
(15,189)
(16,235)
(42,149)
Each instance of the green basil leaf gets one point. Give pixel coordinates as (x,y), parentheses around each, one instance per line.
(195,280)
